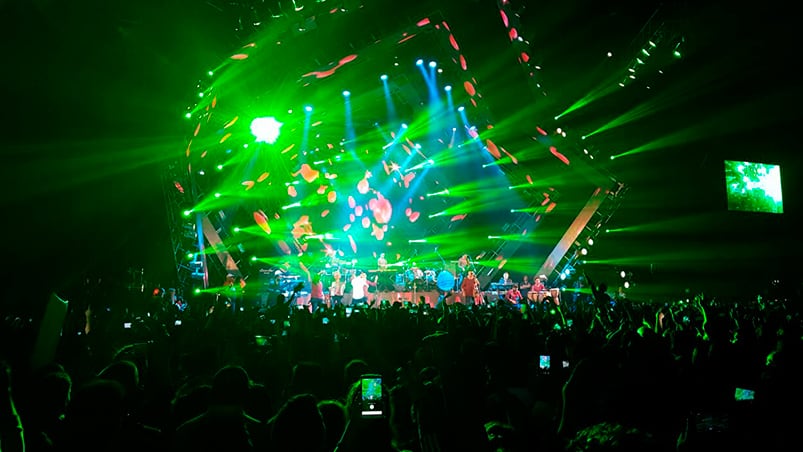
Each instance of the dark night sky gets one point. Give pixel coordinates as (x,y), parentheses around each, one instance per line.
(92,95)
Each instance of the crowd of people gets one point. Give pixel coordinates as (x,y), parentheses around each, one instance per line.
(592,372)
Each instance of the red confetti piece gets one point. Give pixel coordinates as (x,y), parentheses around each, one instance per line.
(331,197)
(291,190)
(366,222)
(197,129)
(557,154)
(529,179)
(504,18)
(262,221)
(308,173)
(381,208)
(353,244)
(231,123)
(422,22)
(322,189)
(458,217)
(414,216)
(453,42)
(249,184)
(262,177)
(550,207)
(239,56)
(358,211)
(324,213)
(491,146)
(378,232)
(469,87)
(284,247)
(363,186)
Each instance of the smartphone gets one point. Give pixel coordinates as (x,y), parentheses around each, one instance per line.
(348,311)
(371,396)
(177,322)
(544,362)
(127,325)
(742,394)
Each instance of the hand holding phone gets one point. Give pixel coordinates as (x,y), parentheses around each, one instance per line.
(371,397)
(544,362)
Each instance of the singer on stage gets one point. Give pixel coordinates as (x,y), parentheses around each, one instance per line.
(470,289)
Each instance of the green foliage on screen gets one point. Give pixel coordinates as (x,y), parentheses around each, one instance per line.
(753,187)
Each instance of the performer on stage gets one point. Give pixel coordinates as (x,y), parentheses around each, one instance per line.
(382,262)
(505,279)
(514,295)
(470,289)
(359,288)
(336,289)
(316,292)
(463,263)
(538,284)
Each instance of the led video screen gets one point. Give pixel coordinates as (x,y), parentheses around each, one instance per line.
(753,187)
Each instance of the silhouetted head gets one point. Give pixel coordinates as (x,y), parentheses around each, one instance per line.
(298,426)
(231,386)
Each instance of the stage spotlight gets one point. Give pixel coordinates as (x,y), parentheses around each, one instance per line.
(461,108)
(583,251)
(265,130)
(627,284)
(447,88)
(590,242)
(346,94)
(433,64)
(610,54)
(308,108)
(622,274)
(383,77)
(419,62)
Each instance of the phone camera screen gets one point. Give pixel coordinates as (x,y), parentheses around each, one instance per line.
(744,394)
(543,362)
(371,389)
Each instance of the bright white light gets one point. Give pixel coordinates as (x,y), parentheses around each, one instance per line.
(346,94)
(447,88)
(308,108)
(622,274)
(383,77)
(461,108)
(419,62)
(433,64)
(266,129)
